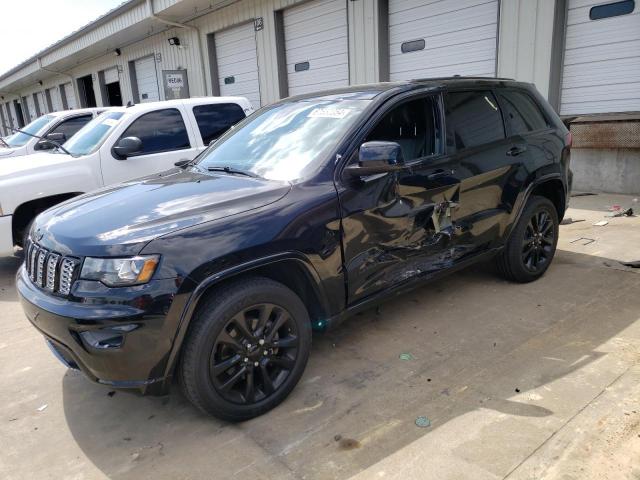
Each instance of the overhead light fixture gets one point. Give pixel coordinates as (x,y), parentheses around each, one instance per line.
(117,52)
(40,82)
(174,41)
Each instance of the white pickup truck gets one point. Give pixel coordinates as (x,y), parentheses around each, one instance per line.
(121,144)
(57,126)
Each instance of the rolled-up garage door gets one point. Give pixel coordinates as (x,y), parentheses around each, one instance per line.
(147,79)
(316,46)
(111,75)
(429,38)
(238,62)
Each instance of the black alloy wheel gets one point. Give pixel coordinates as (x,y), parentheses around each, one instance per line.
(538,243)
(246,348)
(531,246)
(254,354)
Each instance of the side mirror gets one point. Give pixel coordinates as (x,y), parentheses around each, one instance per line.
(45,144)
(377,157)
(127,147)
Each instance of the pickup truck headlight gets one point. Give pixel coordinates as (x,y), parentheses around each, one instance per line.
(119,272)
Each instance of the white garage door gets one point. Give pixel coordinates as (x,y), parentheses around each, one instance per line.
(429,38)
(238,62)
(31,106)
(70,96)
(111,75)
(56,103)
(601,72)
(147,79)
(40,103)
(316,46)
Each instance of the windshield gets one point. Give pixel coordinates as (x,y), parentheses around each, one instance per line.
(90,137)
(19,139)
(285,142)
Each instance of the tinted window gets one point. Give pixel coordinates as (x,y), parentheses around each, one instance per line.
(160,131)
(413,126)
(521,112)
(473,119)
(70,127)
(612,9)
(214,120)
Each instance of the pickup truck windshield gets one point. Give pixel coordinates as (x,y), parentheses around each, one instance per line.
(18,139)
(287,141)
(90,137)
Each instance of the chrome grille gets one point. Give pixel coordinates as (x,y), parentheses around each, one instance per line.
(50,270)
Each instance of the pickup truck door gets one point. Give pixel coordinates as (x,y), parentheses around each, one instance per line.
(399,226)
(166,138)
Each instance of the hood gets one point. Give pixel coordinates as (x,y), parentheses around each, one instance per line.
(28,163)
(9,151)
(122,219)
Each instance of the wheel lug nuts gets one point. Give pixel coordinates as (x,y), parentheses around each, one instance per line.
(255,364)
(246,359)
(248,345)
(261,341)
(266,353)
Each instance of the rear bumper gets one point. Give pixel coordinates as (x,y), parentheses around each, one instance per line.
(117,345)
(6,236)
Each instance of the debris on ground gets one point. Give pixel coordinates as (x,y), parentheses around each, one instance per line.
(42,408)
(406,356)
(517,390)
(583,240)
(423,422)
(583,194)
(111,393)
(601,223)
(634,264)
(621,213)
(569,221)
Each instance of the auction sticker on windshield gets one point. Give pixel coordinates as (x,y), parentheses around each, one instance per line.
(329,112)
(110,122)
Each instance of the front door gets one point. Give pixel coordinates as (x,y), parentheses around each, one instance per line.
(399,226)
(165,140)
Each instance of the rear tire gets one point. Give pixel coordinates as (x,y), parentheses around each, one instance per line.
(532,244)
(246,349)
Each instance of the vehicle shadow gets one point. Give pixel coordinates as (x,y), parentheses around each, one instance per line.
(470,341)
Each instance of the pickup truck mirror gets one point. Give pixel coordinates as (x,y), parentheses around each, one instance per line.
(45,144)
(127,147)
(377,157)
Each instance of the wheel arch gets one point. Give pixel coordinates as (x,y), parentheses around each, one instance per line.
(292,269)
(27,211)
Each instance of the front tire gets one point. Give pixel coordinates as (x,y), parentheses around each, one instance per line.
(246,349)
(532,244)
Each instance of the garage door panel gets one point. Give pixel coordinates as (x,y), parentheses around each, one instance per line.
(147,79)
(460,37)
(601,62)
(600,53)
(236,57)
(317,32)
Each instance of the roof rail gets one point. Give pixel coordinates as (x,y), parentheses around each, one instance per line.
(460,77)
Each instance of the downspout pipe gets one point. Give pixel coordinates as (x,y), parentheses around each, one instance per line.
(73,82)
(191,27)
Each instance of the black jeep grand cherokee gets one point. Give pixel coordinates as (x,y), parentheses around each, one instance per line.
(309,210)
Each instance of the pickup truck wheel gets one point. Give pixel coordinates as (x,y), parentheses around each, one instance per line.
(246,349)
(532,244)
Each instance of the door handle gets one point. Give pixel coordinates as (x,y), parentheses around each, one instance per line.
(440,173)
(516,150)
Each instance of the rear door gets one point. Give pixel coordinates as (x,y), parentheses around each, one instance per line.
(486,167)
(213,119)
(165,140)
(397,226)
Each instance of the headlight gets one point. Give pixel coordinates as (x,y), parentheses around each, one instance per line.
(118,272)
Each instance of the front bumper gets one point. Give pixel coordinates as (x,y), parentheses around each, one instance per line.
(6,236)
(122,341)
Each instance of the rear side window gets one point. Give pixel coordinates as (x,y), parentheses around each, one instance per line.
(214,120)
(473,119)
(521,112)
(160,131)
(71,126)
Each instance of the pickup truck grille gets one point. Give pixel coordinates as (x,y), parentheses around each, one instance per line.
(50,270)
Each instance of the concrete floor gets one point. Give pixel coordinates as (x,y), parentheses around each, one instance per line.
(518,381)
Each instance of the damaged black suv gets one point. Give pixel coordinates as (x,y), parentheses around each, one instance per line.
(216,272)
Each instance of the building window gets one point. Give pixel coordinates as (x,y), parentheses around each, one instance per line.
(613,9)
(412,46)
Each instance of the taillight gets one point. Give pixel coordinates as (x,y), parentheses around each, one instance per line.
(568,139)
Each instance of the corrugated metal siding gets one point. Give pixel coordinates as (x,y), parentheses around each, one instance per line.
(459,35)
(237,59)
(601,72)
